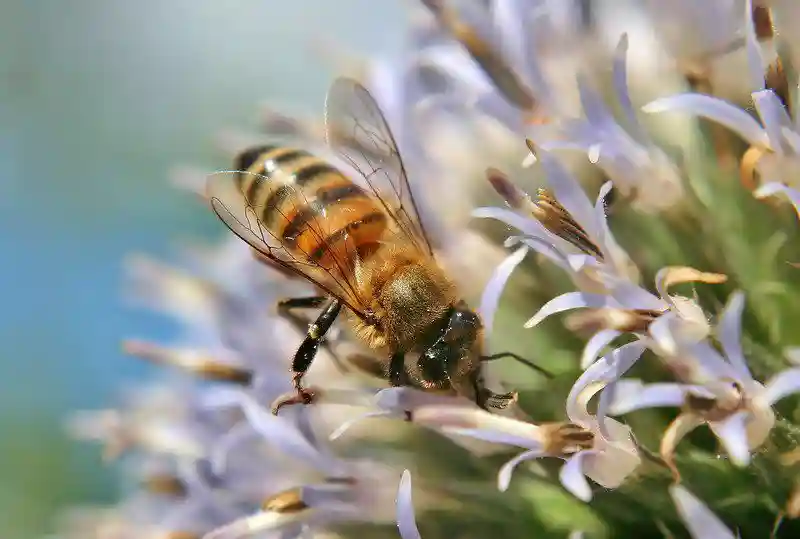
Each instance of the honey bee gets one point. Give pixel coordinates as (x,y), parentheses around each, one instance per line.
(364,247)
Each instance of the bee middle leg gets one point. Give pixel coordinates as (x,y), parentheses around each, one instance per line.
(306,353)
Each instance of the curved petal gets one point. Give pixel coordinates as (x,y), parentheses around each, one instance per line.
(347,425)
(729,333)
(773,116)
(494,288)
(218,458)
(701,522)
(284,435)
(634,395)
(572,477)
(675,432)
(732,433)
(603,372)
(569,301)
(772,188)
(406,522)
(493,436)
(755,63)
(504,475)
(595,345)
(632,296)
(530,227)
(620,81)
(594,108)
(782,385)
(715,109)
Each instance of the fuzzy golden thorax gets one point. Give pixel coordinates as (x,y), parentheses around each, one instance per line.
(411,297)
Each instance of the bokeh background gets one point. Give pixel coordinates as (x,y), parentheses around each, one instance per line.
(98,100)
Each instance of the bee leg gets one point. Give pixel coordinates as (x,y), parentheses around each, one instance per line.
(500,401)
(486,398)
(305,356)
(286,308)
(519,359)
(398,376)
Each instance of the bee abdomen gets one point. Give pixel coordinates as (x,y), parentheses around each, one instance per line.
(309,205)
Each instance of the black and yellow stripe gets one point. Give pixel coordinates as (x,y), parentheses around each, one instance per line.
(314,209)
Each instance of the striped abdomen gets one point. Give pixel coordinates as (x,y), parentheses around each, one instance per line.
(313,209)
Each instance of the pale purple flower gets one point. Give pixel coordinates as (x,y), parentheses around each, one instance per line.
(774,153)
(606,459)
(639,169)
(592,258)
(667,322)
(726,397)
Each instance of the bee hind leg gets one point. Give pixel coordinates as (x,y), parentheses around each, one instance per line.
(305,356)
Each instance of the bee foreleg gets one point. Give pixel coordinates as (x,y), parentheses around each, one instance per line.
(398,376)
(286,309)
(305,355)
(519,359)
(490,399)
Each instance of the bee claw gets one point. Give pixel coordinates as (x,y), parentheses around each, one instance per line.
(298,396)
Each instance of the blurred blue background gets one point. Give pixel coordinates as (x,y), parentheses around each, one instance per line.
(98,99)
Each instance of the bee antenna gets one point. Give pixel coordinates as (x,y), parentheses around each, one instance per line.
(519,359)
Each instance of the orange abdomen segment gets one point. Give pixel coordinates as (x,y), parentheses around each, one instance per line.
(316,212)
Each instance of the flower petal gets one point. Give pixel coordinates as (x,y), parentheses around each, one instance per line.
(477,423)
(569,301)
(504,475)
(772,188)
(701,522)
(572,477)
(782,385)
(677,431)
(595,345)
(280,432)
(494,288)
(715,109)
(603,372)
(755,63)
(773,116)
(620,77)
(634,395)
(729,333)
(406,522)
(732,433)
(347,425)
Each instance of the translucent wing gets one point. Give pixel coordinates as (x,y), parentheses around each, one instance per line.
(257,227)
(357,130)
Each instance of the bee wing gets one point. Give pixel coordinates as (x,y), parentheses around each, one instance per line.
(356,129)
(246,221)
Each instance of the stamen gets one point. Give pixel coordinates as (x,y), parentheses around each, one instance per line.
(287,501)
(564,439)
(191,361)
